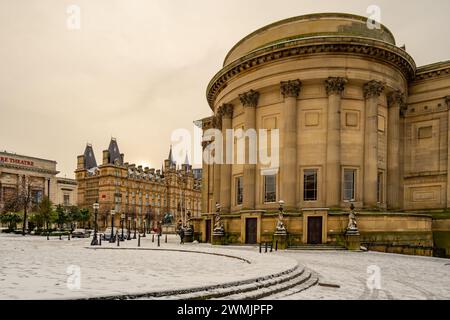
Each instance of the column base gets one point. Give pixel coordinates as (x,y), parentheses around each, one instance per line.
(353,241)
(280,240)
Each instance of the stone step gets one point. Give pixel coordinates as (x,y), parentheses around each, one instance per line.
(242,289)
(303,282)
(310,282)
(320,247)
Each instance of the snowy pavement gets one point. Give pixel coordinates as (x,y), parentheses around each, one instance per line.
(34,268)
(401,277)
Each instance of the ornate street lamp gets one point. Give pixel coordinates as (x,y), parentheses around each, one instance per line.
(129,228)
(94,242)
(122,219)
(112,240)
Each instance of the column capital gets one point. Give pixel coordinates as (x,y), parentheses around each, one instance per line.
(290,88)
(250,98)
(225,110)
(217,122)
(447,101)
(335,85)
(395,98)
(373,89)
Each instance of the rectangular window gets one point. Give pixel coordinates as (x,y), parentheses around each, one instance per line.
(270,189)
(239,190)
(380,187)
(310,185)
(66,199)
(349,184)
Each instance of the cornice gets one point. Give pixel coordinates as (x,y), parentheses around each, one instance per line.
(356,46)
(30,169)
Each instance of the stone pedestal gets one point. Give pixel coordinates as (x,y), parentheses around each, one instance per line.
(281,238)
(189,235)
(353,241)
(218,238)
(169,229)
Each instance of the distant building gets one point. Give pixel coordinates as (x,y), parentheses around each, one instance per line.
(135,192)
(19,171)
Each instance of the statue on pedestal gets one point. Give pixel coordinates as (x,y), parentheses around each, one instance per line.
(352,227)
(218,225)
(281,227)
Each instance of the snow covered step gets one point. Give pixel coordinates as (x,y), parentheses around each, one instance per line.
(241,289)
(277,289)
(310,282)
(320,247)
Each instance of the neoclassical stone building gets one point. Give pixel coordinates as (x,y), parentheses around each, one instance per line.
(144,194)
(358,121)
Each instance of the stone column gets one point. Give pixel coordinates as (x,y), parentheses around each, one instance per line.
(250,101)
(447,100)
(395,101)
(335,88)
(290,91)
(216,167)
(205,181)
(226,113)
(372,91)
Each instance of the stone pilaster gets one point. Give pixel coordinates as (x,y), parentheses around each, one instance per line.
(250,101)
(447,100)
(226,113)
(372,91)
(335,87)
(395,102)
(290,91)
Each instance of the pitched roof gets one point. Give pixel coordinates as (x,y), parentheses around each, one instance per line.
(89,158)
(114,154)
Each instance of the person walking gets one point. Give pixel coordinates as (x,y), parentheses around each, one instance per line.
(181,233)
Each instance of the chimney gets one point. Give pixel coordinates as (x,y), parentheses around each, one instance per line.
(105,157)
(80,162)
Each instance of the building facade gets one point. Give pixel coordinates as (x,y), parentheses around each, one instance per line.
(141,195)
(18,172)
(358,122)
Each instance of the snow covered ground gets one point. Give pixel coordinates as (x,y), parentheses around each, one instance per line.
(34,268)
(401,277)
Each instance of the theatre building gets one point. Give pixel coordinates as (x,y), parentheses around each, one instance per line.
(134,193)
(358,122)
(18,171)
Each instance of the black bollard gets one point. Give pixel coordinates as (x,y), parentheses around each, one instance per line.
(139,240)
(118,241)
(276,245)
(266,248)
(166,239)
(260,247)
(48,233)
(159,241)
(271,246)
(100,243)
(153,238)
(60,236)
(68,237)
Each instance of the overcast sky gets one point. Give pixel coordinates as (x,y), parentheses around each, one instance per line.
(138,69)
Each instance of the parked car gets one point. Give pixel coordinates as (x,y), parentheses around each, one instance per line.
(80,233)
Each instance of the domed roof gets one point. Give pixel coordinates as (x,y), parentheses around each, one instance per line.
(308,26)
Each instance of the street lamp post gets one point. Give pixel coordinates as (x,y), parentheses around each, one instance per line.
(95,240)
(112,240)
(129,228)
(122,218)
(135,220)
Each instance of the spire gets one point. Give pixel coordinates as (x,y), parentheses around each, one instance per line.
(114,154)
(89,157)
(186,160)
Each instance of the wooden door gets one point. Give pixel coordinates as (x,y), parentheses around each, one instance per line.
(251,231)
(208,231)
(314,230)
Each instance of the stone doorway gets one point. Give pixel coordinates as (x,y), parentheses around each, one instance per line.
(315,225)
(251,230)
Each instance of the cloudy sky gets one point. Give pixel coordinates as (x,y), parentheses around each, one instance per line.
(138,69)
